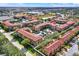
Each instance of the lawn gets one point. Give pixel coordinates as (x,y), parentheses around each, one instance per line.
(7,48)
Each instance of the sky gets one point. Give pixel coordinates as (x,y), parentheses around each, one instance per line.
(39,5)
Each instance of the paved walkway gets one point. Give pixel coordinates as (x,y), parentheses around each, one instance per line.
(15,43)
(28,53)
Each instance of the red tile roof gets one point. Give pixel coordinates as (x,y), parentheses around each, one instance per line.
(76,29)
(34,18)
(70,22)
(53,23)
(29,17)
(7,23)
(26,23)
(60,20)
(50,48)
(39,26)
(64,26)
(31,36)
(67,35)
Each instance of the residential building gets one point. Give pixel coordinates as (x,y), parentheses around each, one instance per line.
(51,48)
(34,39)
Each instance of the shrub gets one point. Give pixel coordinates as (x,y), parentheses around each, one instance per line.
(7,48)
(25,42)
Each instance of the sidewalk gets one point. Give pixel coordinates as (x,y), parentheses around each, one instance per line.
(15,43)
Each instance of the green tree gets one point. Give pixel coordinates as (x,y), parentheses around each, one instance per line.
(25,42)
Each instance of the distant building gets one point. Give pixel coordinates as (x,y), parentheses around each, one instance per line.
(8,25)
(64,26)
(60,20)
(42,25)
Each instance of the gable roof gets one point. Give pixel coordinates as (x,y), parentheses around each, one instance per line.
(7,23)
(51,47)
(29,35)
